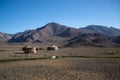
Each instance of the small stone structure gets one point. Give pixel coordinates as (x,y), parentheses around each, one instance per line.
(52,47)
(28,49)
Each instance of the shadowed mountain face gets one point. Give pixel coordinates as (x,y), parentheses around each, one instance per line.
(4,37)
(90,39)
(49,32)
(117,39)
(101,29)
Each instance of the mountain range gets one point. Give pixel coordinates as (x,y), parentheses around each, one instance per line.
(57,33)
(111,31)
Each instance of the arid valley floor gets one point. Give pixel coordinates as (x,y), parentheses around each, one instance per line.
(73,63)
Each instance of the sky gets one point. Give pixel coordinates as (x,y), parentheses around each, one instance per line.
(20,15)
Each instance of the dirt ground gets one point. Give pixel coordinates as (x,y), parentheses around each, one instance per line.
(62,69)
(70,68)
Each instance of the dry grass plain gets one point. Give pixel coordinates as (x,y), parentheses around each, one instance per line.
(84,63)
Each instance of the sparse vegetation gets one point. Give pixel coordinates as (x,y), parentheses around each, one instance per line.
(79,63)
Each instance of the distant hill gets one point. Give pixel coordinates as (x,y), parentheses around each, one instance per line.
(101,29)
(4,36)
(50,32)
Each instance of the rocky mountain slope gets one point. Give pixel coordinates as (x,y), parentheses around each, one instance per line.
(49,32)
(93,39)
(4,36)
